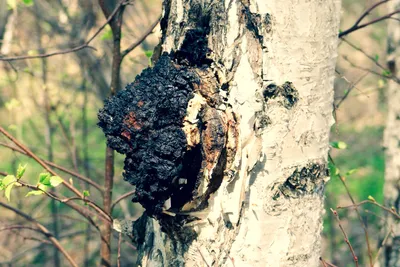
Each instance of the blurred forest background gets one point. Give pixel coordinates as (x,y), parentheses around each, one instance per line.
(51,104)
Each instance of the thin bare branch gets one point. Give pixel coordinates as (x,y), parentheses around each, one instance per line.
(355,205)
(368,11)
(357,27)
(121,198)
(141,39)
(74,49)
(342,179)
(44,230)
(346,238)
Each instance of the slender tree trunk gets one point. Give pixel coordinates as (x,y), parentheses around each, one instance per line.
(392,140)
(48,136)
(115,24)
(274,62)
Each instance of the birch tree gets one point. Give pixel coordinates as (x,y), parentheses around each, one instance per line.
(226,137)
(392,137)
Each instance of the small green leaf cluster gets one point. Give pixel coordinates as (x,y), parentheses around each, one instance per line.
(7,183)
(12,4)
(46,181)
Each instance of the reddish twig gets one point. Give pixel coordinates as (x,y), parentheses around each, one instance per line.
(74,49)
(355,205)
(326,264)
(121,198)
(346,238)
(342,179)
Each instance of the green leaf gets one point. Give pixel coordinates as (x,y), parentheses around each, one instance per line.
(44,178)
(28,2)
(371,198)
(339,145)
(55,181)
(386,73)
(42,187)
(7,192)
(20,171)
(351,172)
(34,193)
(86,193)
(7,184)
(376,57)
(107,35)
(8,180)
(334,171)
(12,104)
(148,53)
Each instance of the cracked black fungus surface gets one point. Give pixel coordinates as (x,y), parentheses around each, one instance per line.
(144,122)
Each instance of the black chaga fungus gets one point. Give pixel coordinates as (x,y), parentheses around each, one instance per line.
(144,122)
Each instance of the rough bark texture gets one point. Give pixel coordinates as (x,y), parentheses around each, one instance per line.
(273,65)
(392,140)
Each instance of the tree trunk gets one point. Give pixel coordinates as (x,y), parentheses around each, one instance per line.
(273,65)
(392,137)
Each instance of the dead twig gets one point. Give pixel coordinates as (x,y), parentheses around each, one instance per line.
(346,238)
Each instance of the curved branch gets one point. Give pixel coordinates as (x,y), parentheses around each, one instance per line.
(121,198)
(141,39)
(63,169)
(357,27)
(74,49)
(366,13)
(44,230)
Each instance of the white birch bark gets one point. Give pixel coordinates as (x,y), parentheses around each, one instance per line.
(392,140)
(278,58)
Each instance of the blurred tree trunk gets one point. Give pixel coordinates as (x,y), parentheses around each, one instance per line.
(392,140)
(277,59)
(4,17)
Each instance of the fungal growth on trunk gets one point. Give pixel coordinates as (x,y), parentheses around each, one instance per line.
(172,125)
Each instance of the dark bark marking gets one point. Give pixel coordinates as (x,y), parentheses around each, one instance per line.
(258,24)
(287,91)
(306,180)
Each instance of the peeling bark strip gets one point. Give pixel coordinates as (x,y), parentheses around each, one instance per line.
(214,130)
